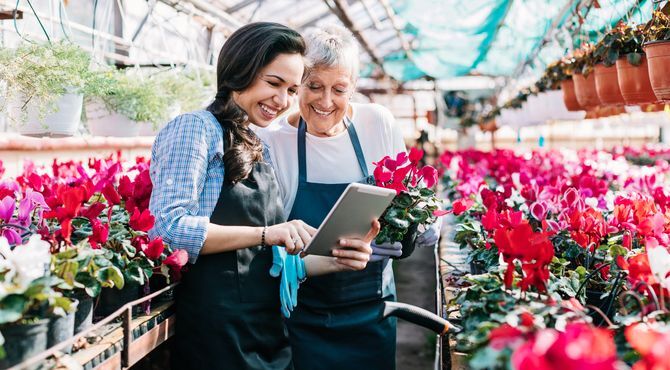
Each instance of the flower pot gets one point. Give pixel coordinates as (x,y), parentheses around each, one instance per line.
(148,129)
(83,316)
(594,298)
(658,57)
(158,282)
(62,122)
(569,97)
(61,328)
(23,341)
(585,90)
(607,85)
(553,103)
(634,82)
(102,122)
(111,299)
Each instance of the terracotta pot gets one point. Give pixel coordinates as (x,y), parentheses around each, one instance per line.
(585,89)
(607,85)
(634,82)
(658,56)
(569,97)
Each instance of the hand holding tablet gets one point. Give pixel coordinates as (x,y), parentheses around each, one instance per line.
(350,218)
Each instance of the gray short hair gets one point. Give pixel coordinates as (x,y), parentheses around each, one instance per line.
(332,46)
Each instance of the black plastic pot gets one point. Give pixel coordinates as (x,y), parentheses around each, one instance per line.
(83,316)
(23,341)
(593,298)
(61,328)
(111,299)
(156,283)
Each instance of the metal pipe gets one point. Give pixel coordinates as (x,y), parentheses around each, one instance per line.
(375,21)
(396,26)
(341,11)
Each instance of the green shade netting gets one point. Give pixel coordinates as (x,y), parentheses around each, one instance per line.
(497,37)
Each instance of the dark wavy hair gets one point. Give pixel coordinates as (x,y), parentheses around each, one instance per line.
(248,50)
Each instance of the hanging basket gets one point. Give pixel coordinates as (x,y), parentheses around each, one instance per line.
(585,89)
(102,122)
(569,97)
(634,82)
(62,122)
(658,57)
(607,85)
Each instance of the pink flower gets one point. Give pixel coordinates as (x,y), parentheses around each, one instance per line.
(538,210)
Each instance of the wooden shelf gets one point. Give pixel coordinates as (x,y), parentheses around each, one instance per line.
(148,332)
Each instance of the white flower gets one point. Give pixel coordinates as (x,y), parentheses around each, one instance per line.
(659,263)
(26,262)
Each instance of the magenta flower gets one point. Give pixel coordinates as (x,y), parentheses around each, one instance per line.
(7,206)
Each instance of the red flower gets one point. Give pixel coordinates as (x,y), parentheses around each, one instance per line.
(429,174)
(177,259)
(580,347)
(415,155)
(154,249)
(503,336)
(100,233)
(141,221)
(462,205)
(651,345)
(110,194)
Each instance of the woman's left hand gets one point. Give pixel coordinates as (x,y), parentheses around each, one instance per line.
(354,254)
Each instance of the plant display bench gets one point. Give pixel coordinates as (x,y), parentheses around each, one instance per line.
(452,264)
(117,342)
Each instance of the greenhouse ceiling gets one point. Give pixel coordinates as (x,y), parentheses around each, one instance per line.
(411,39)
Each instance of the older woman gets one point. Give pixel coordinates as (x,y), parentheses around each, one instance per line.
(335,324)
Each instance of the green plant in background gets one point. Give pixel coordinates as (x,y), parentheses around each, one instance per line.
(42,73)
(623,40)
(133,95)
(190,88)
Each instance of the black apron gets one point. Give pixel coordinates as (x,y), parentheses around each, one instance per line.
(228,314)
(336,323)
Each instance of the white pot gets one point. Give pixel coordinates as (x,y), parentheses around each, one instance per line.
(102,122)
(148,129)
(64,121)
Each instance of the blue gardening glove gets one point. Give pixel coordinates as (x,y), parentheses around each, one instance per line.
(430,236)
(385,250)
(291,270)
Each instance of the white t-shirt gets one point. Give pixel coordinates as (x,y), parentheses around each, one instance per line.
(331,160)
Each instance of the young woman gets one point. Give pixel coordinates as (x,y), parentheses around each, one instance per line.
(216,196)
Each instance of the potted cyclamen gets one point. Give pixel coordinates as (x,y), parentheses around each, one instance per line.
(657,48)
(585,82)
(563,71)
(606,53)
(415,206)
(632,66)
(129,101)
(45,84)
(27,298)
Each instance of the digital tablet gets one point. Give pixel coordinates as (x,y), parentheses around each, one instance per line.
(350,217)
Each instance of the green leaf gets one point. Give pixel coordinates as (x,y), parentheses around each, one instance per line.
(91,285)
(111,277)
(419,215)
(403,200)
(12,308)
(634,58)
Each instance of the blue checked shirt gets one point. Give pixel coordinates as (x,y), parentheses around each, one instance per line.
(187,174)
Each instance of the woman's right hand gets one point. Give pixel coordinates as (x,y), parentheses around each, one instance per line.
(293,235)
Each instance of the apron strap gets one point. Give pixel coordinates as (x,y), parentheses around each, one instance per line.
(353,136)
